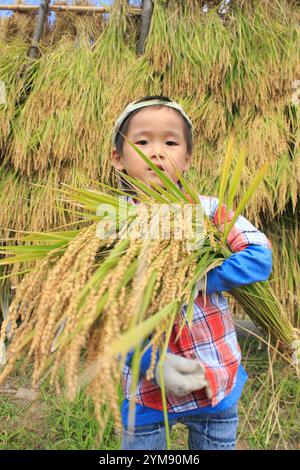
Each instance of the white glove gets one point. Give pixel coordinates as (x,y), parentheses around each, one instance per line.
(199,287)
(2,353)
(182,376)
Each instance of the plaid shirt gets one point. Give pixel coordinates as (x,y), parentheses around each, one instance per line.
(211,337)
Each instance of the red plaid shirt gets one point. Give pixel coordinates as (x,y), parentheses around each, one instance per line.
(211,338)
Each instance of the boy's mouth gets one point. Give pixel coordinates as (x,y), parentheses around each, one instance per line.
(158,166)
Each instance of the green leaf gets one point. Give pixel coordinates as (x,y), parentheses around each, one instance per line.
(225,172)
(7,276)
(143,187)
(168,197)
(21,258)
(245,199)
(43,236)
(188,189)
(236,178)
(32,249)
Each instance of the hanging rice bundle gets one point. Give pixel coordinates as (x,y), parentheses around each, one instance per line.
(211,119)
(96,274)
(284,235)
(115,62)
(160,29)
(196,46)
(47,133)
(18,25)
(112,53)
(13,198)
(13,195)
(62,27)
(210,50)
(61,124)
(74,25)
(12,58)
(3,21)
(272,29)
(270,137)
(166,29)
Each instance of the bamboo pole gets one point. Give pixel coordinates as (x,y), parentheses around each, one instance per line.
(33,51)
(61,8)
(145,25)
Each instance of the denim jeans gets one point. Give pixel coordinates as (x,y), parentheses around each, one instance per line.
(206,432)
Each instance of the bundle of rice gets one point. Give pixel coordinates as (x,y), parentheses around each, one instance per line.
(3,21)
(209,65)
(60,124)
(18,25)
(66,310)
(284,235)
(13,57)
(73,25)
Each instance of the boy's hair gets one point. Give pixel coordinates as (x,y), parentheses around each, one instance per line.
(125,125)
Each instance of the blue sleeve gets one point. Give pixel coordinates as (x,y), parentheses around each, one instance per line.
(253,264)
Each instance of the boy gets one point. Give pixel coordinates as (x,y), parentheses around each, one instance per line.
(203,374)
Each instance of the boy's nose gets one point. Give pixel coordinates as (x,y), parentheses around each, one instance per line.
(159,161)
(157,153)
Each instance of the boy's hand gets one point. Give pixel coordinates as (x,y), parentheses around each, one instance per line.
(182,376)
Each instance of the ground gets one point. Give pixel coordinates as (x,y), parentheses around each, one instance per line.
(268,412)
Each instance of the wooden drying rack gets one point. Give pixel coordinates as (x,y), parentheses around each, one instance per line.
(44,8)
(60,8)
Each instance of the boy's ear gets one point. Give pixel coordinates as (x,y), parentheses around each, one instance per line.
(117,160)
(188,161)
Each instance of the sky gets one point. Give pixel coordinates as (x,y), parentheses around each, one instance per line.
(95,2)
(224,5)
(37,2)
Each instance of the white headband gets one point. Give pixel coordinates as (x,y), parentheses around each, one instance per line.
(155,102)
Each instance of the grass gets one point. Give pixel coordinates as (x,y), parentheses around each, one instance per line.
(267,413)
(270,403)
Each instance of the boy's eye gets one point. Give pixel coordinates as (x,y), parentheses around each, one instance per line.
(142,142)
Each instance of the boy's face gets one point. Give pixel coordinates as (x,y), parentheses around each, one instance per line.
(159,133)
